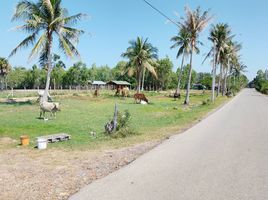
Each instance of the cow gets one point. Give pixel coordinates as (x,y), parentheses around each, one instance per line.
(140,97)
(96,92)
(51,107)
(176,96)
(125,92)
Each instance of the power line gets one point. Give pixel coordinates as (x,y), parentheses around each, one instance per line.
(161,13)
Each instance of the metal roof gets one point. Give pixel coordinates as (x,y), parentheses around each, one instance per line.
(119,82)
(98,83)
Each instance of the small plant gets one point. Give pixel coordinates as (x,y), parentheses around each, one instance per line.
(119,126)
(206,102)
(123,120)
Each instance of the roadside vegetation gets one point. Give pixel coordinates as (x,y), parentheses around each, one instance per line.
(260,82)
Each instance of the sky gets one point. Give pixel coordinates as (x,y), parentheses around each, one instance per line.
(113,23)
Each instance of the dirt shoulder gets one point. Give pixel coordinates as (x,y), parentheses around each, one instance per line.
(56,174)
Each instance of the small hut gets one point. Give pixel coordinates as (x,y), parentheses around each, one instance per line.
(118,84)
(97,85)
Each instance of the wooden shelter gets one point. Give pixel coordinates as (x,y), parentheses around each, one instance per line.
(117,84)
(97,84)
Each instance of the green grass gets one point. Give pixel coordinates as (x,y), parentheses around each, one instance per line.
(81,113)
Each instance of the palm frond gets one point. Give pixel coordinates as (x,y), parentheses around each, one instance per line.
(72,20)
(150,68)
(25,43)
(41,43)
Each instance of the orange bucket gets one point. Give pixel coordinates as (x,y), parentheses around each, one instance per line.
(25,140)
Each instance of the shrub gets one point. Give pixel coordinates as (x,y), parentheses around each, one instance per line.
(206,102)
(122,126)
(264,87)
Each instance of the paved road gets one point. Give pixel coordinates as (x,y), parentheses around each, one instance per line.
(224,157)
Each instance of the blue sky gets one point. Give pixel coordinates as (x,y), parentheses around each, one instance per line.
(113,23)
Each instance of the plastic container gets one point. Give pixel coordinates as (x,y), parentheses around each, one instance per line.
(41,143)
(24,140)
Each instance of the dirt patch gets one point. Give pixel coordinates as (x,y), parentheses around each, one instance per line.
(56,174)
(7,141)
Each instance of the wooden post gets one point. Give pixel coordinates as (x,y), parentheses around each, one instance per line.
(115,117)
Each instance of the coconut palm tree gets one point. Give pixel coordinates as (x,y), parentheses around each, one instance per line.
(4,69)
(141,55)
(44,21)
(220,35)
(182,41)
(231,60)
(194,22)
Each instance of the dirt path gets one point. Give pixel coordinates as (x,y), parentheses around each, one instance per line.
(56,174)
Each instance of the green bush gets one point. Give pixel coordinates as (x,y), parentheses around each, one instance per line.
(122,126)
(264,87)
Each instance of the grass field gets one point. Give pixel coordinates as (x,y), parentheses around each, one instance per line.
(81,113)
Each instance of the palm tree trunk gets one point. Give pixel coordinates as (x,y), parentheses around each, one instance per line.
(143,77)
(45,96)
(1,82)
(180,76)
(225,80)
(187,97)
(219,81)
(214,76)
(139,81)
(5,79)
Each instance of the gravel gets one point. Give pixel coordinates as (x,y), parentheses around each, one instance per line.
(56,174)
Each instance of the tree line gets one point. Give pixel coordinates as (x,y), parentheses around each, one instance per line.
(79,76)
(46,20)
(260,82)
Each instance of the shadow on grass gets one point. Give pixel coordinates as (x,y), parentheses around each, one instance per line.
(17,103)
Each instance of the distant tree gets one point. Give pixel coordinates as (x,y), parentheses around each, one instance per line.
(141,55)
(204,79)
(18,78)
(195,22)
(185,76)
(104,73)
(164,71)
(4,69)
(48,19)
(77,75)
(260,82)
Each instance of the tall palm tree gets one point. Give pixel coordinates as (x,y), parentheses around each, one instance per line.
(44,21)
(195,22)
(182,41)
(232,60)
(220,35)
(4,69)
(142,55)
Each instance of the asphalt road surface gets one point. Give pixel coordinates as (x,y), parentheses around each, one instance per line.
(224,157)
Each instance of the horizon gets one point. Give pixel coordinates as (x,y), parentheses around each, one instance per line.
(106,40)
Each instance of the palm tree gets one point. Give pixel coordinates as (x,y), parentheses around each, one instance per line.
(47,19)
(237,70)
(220,35)
(4,69)
(232,60)
(182,40)
(194,23)
(142,55)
